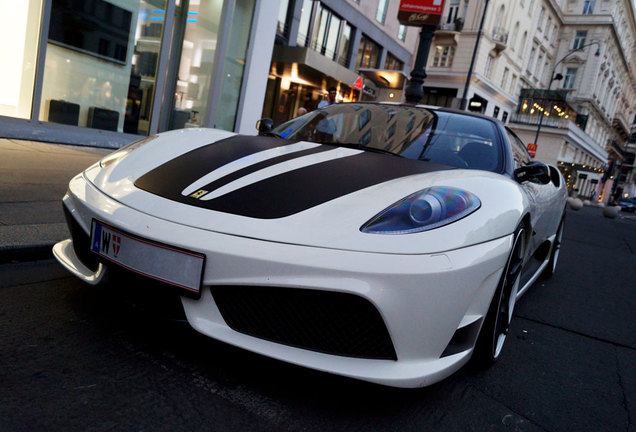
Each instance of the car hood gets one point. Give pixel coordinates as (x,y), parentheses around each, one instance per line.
(297,192)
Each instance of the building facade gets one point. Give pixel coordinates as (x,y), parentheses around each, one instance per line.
(331,43)
(106,72)
(564,66)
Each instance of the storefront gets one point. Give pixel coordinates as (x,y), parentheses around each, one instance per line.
(113,70)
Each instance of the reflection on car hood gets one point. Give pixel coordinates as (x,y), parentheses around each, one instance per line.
(298,192)
(267,178)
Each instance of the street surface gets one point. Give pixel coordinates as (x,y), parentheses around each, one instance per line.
(79,358)
(33,179)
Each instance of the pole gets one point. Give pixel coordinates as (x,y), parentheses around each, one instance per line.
(464,102)
(536,137)
(414,91)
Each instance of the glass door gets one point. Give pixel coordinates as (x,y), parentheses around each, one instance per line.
(198,21)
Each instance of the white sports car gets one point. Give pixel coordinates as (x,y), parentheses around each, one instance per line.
(386,243)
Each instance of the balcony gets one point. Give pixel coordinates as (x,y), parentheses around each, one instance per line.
(448,33)
(500,38)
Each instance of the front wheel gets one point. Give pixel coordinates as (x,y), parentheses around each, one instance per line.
(556,249)
(495,329)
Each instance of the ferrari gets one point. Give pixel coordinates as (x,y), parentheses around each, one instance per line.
(381,242)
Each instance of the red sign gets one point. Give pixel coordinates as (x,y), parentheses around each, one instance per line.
(532,149)
(420,12)
(358,84)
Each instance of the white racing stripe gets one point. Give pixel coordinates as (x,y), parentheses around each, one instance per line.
(281,168)
(245,162)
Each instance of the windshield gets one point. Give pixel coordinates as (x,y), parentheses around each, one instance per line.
(441,137)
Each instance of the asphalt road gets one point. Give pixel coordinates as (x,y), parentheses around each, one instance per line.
(76,358)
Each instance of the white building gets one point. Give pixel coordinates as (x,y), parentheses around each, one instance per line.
(585,118)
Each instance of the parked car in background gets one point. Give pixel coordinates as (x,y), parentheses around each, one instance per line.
(627,204)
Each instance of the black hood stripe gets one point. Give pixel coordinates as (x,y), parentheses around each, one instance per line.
(262,165)
(284,194)
(182,171)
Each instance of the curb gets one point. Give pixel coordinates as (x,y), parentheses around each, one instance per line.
(16,254)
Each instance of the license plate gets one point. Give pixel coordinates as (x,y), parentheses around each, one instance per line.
(167,264)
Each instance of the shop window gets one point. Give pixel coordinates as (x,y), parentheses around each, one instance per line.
(234,64)
(93,75)
(18,54)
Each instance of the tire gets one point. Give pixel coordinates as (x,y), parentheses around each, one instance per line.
(554,253)
(495,329)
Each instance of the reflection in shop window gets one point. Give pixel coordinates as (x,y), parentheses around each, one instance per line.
(196,64)
(101,74)
(19,31)
(234,65)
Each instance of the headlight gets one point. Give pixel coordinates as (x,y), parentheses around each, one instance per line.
(424,210)
(123,152)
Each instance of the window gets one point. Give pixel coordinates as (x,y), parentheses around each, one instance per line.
(570,78)
(303,28)
(547,27)
(537,68)
(513,83)
(488,68)
(345,41)
(380,14)
(541,16)
(392,63)
(579,39)
(504,78)
(281,28)
(530,7)
(453,8)
(402,33)
(524,39)
(513,37)
(588,7)
(17,73)
(531,59)
(444,56)
(368,53)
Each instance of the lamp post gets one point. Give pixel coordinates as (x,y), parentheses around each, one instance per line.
(464,101)
(558,76)
(415,91)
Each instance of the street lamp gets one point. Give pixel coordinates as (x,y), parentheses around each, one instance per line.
(464,101)
(558,77)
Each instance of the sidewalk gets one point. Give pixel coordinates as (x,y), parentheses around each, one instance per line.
(33,179)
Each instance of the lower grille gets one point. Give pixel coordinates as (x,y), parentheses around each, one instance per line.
(81,241)
(324,321)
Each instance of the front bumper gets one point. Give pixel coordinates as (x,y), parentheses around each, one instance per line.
(422,299)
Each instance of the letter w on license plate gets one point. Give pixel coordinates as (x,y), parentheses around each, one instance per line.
(167,264)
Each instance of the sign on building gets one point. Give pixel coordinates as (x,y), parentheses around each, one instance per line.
(420,12)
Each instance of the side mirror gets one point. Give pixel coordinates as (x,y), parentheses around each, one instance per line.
(536,172)
(265,125)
